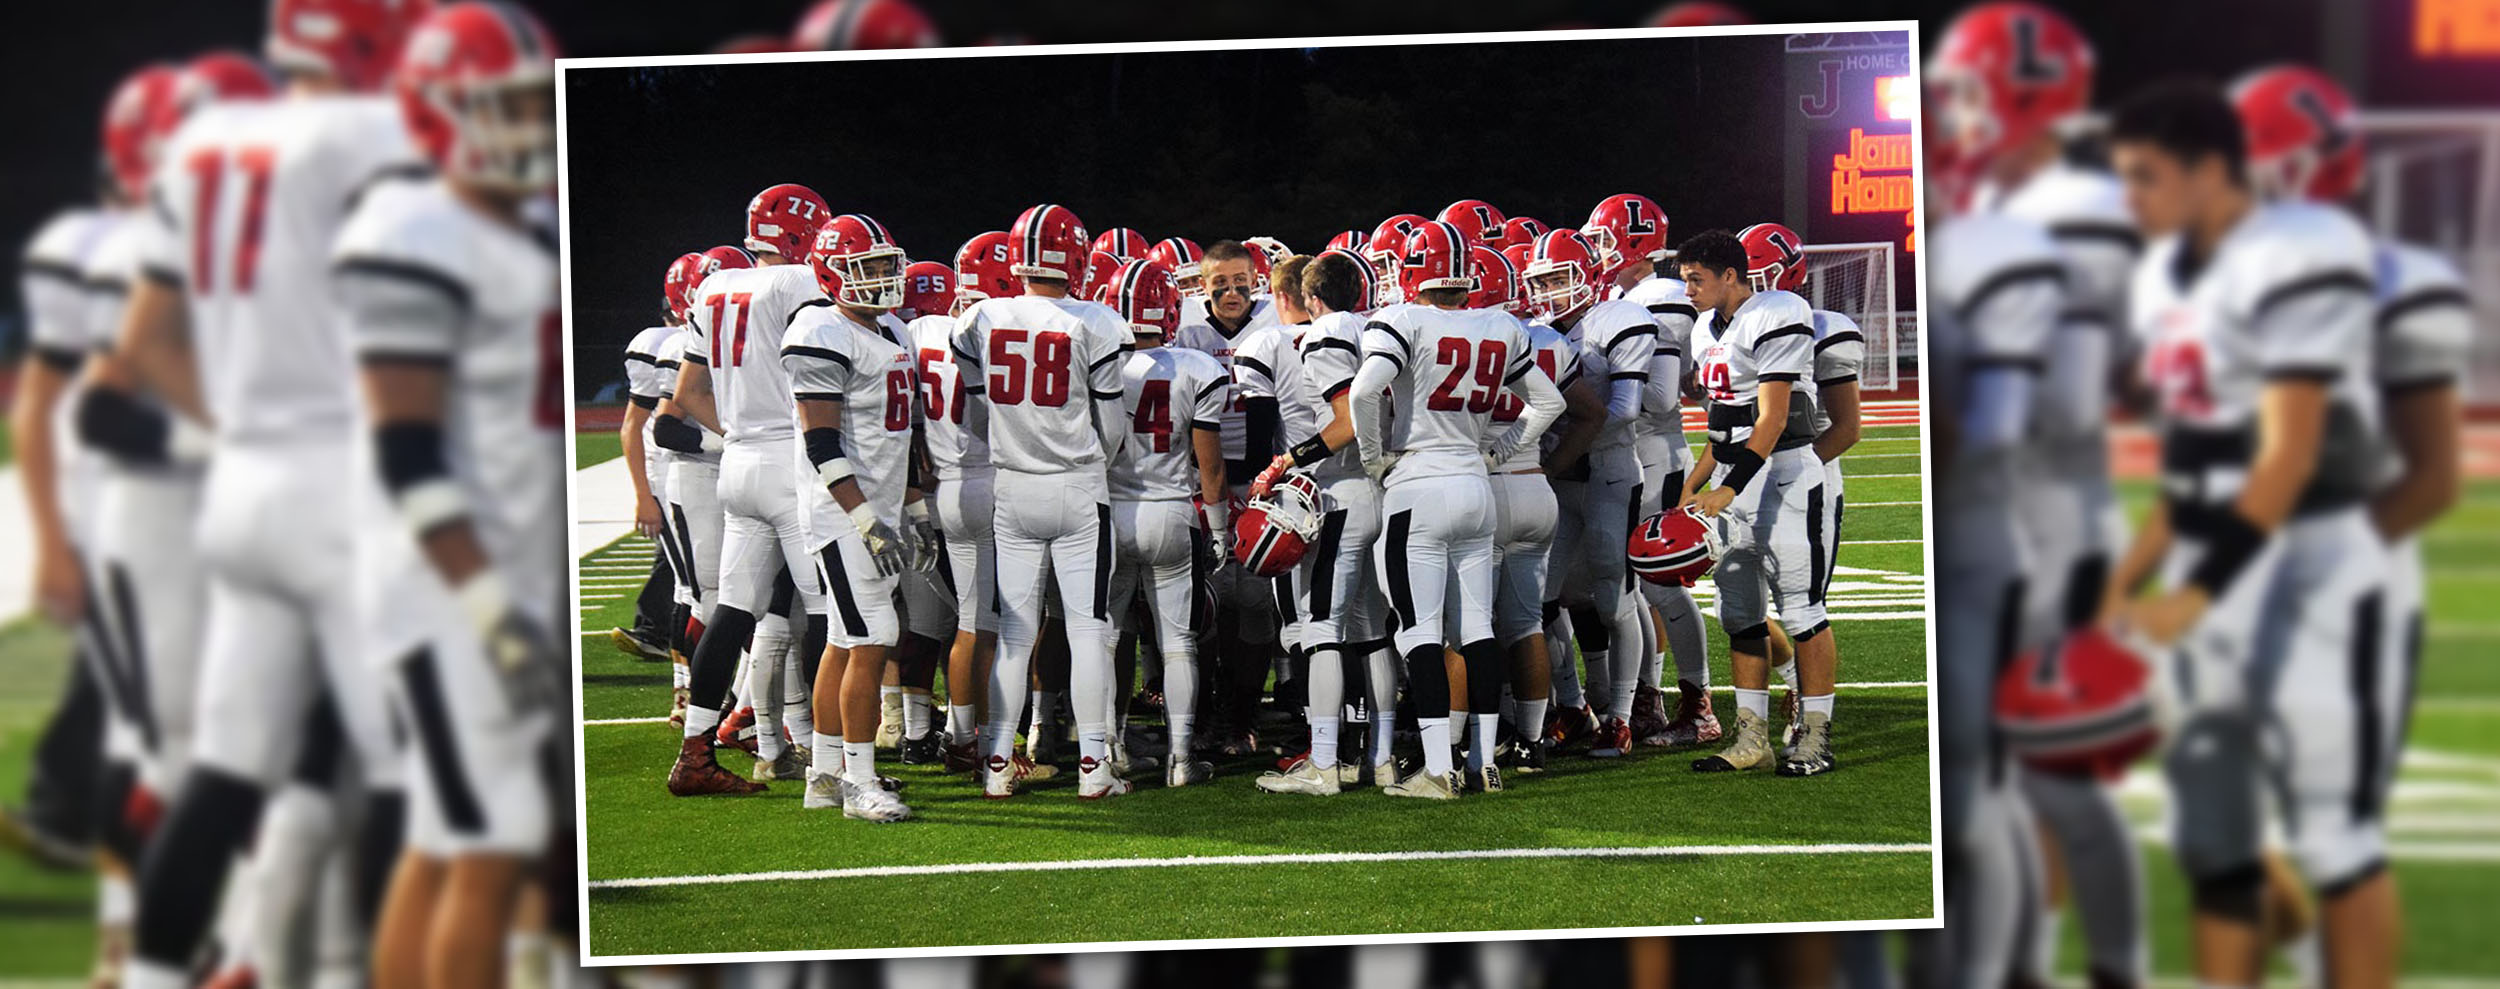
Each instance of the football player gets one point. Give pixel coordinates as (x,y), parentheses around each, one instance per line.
(2258,322)
(1219,322)
(1182,256)
(1433,368)
(1267,378)
(232,322)
(449,298)
(731,381)
(646,466)
(928,596)
(960,459)
(694,514)
(1167,492)
(1122,243)
(1049,399)
(852,377)
(1753,354)
(1617,340)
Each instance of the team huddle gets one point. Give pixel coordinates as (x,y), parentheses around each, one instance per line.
(1411,472)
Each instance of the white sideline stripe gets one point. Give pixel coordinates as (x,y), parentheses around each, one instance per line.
(602,597)
(1304,858)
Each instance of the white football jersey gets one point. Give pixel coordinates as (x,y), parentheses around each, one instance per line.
(1771,338)
(116,261)
(2425,330)
(1839,357)
(672,356)
(873,373)
(1617,341)
(1198,332)
(247,207)
(2084,213)
(1559,358)
(2289,291)
(953,450)
(421,275)
(738,316)
(1662,396)
(1452,364)
(646,379)
(1044,365)
(1171,392)
(1268,364)
(1999,288)
(1332,351)
(64,328)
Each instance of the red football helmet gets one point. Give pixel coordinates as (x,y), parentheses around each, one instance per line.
(2087,703)
(1268,248)
(1675,546)
(1518,254)
(683,275)
(928,290)
(1477,219)
(2004,74)
(222,75)
(1385,252)
(985,270)
(1497,283)
(2302,142)
(857,263)
(1259,267)
(457,80)
(1402,224)
(1099,267)
(1141,292)
(1181,256)
(137,120)
(1521,230)
(1775,257)
(859,25)
(1562,273)
(1370,289)
(1275,530)
(724,256)
(1624,228)
(1048,241)
(354,41)
(1434,256)
(783,220)
(1122,243)
(1352,240)
(1698,13)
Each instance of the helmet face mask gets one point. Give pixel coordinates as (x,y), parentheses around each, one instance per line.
(857,263)
(1561,273)
(477,88)
(1275,531)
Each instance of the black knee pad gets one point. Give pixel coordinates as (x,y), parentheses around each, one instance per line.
(1593,631)
(1485,674)
(185,868)
(2236,894)
(1428,682)
(378,844)
(1808,635)
(1752,641)
(812,649)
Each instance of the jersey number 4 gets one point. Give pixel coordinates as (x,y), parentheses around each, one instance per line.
(208,171)
(1045,361)
(1479,361)
(1153,418)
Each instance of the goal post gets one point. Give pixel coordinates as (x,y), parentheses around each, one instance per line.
(1856,280)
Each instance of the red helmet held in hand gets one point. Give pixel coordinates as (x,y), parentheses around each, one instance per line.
(1673,547)
(1273,532)
(2086,704)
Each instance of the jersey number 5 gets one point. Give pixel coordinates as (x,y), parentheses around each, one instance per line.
(1483,361)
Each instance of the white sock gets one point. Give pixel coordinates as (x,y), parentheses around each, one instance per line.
(1092,742)
(798,707)
(915,714)
(1436,732)
(2043,962)
(1819,704)
(700,720)
(679,676)
(1532,717)
(1756,701)
(1384,736)
(828,753)
(859,761)
(1487,726)
(1324,743)
(959,722)
(1788,673)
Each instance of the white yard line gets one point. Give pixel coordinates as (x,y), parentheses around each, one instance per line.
(1306,858)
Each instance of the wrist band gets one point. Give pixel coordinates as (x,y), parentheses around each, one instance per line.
(2233,542)
(1742,465)
(1310,451)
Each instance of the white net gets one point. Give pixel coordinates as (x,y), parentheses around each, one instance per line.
(2434,180)
(1856,280)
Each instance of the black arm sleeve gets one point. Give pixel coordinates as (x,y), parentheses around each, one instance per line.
(1260,430)
(675,433)
(110,420)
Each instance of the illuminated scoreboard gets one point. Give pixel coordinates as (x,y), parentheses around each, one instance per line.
(1852,99)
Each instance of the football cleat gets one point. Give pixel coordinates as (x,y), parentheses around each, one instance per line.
(1569,727)
(1793,708)
(1304,777)
(1486,780)
(698,773)
(1096,780)
(1031,771)
(790,765)
(1812,754)
(1123,763)
(1750,750)
(1185,772)
(962,757)
(824,791)
(1426,786)
(872,803)
(1694,723)
(738,730)
(677,699)
(1526,756)
(1385,773)
(1614,739)
(631,642)
(1649,712)
(1002,777)
(929,749)
(890,722)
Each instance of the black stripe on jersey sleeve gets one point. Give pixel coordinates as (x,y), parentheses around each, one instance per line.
(1212,427)
(1519,367)
(1331,392)
(817,396)
(2325,281)
(1569,377)
(1391,331)
(666,365)
(1113,395)
(62,359)
(2437,297)
(389,173)
(1668,351)
(803,307)
(1108,358)
(1642,330)
(2009,278)
(2112,233)
(1394,360)
(696,358)
(963,356)
(1834,380)
(1255,364)
(407,271)
(2084,316)
(2320,373)
(1636,376)
(1671,308)
(819,353)
(1779,376)
(1332,343)
(161,275)
(636,355)
(1210,388)
(58,270)
(404,358)
(1788,330)
(115,287)
(1844,336)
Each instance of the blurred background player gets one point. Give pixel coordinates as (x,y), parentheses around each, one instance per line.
(646,467)
(960,459)
(694,513)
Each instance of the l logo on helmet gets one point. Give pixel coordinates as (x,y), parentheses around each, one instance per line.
(2031,65)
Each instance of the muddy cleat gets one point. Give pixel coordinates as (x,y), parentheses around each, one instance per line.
(1188,772)
(1426,786)
(1001,778)
(824,791)
(1569,727)
(926,750)
(1812,755)
(1486,780)
(792,765)
(1752,749)
(1693,724)
(1385,774)
(1095,780)
(1304,777)
(1613,741)
(697,773)
(738,730)
(872,803)
(677,699)
(961,758)
(889,721)
(1793,707)
(1035,772)
(633,642)
(1649,712)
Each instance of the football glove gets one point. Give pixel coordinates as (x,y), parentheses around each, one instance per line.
(1379,469)
(522,655)
(885,546)
(1267,478)
(927,541)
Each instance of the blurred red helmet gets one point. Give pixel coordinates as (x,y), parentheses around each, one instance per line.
(1434,256)
(1624,228)
(223,75)
(856,25)
(1775,257)
(1048,241)
(354,41)
(1522,302)
(1698,13)
(1562,273)
(1141,292)
(1122,243)
(857,263)
(1521,230)
(1401,224)
(1497,283)
(1275,530)
(1672,547)
(1352,240)
(2004,74)
(136,123)
(724,256)
(928,290)
(1181,256)
(455,77)
(683,275)
(2303,142)
(984,269)
(1385,252)
(1259,267)
(1100,266)
(1369,291)
(2085,704)
(1477,219)
(783,220)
